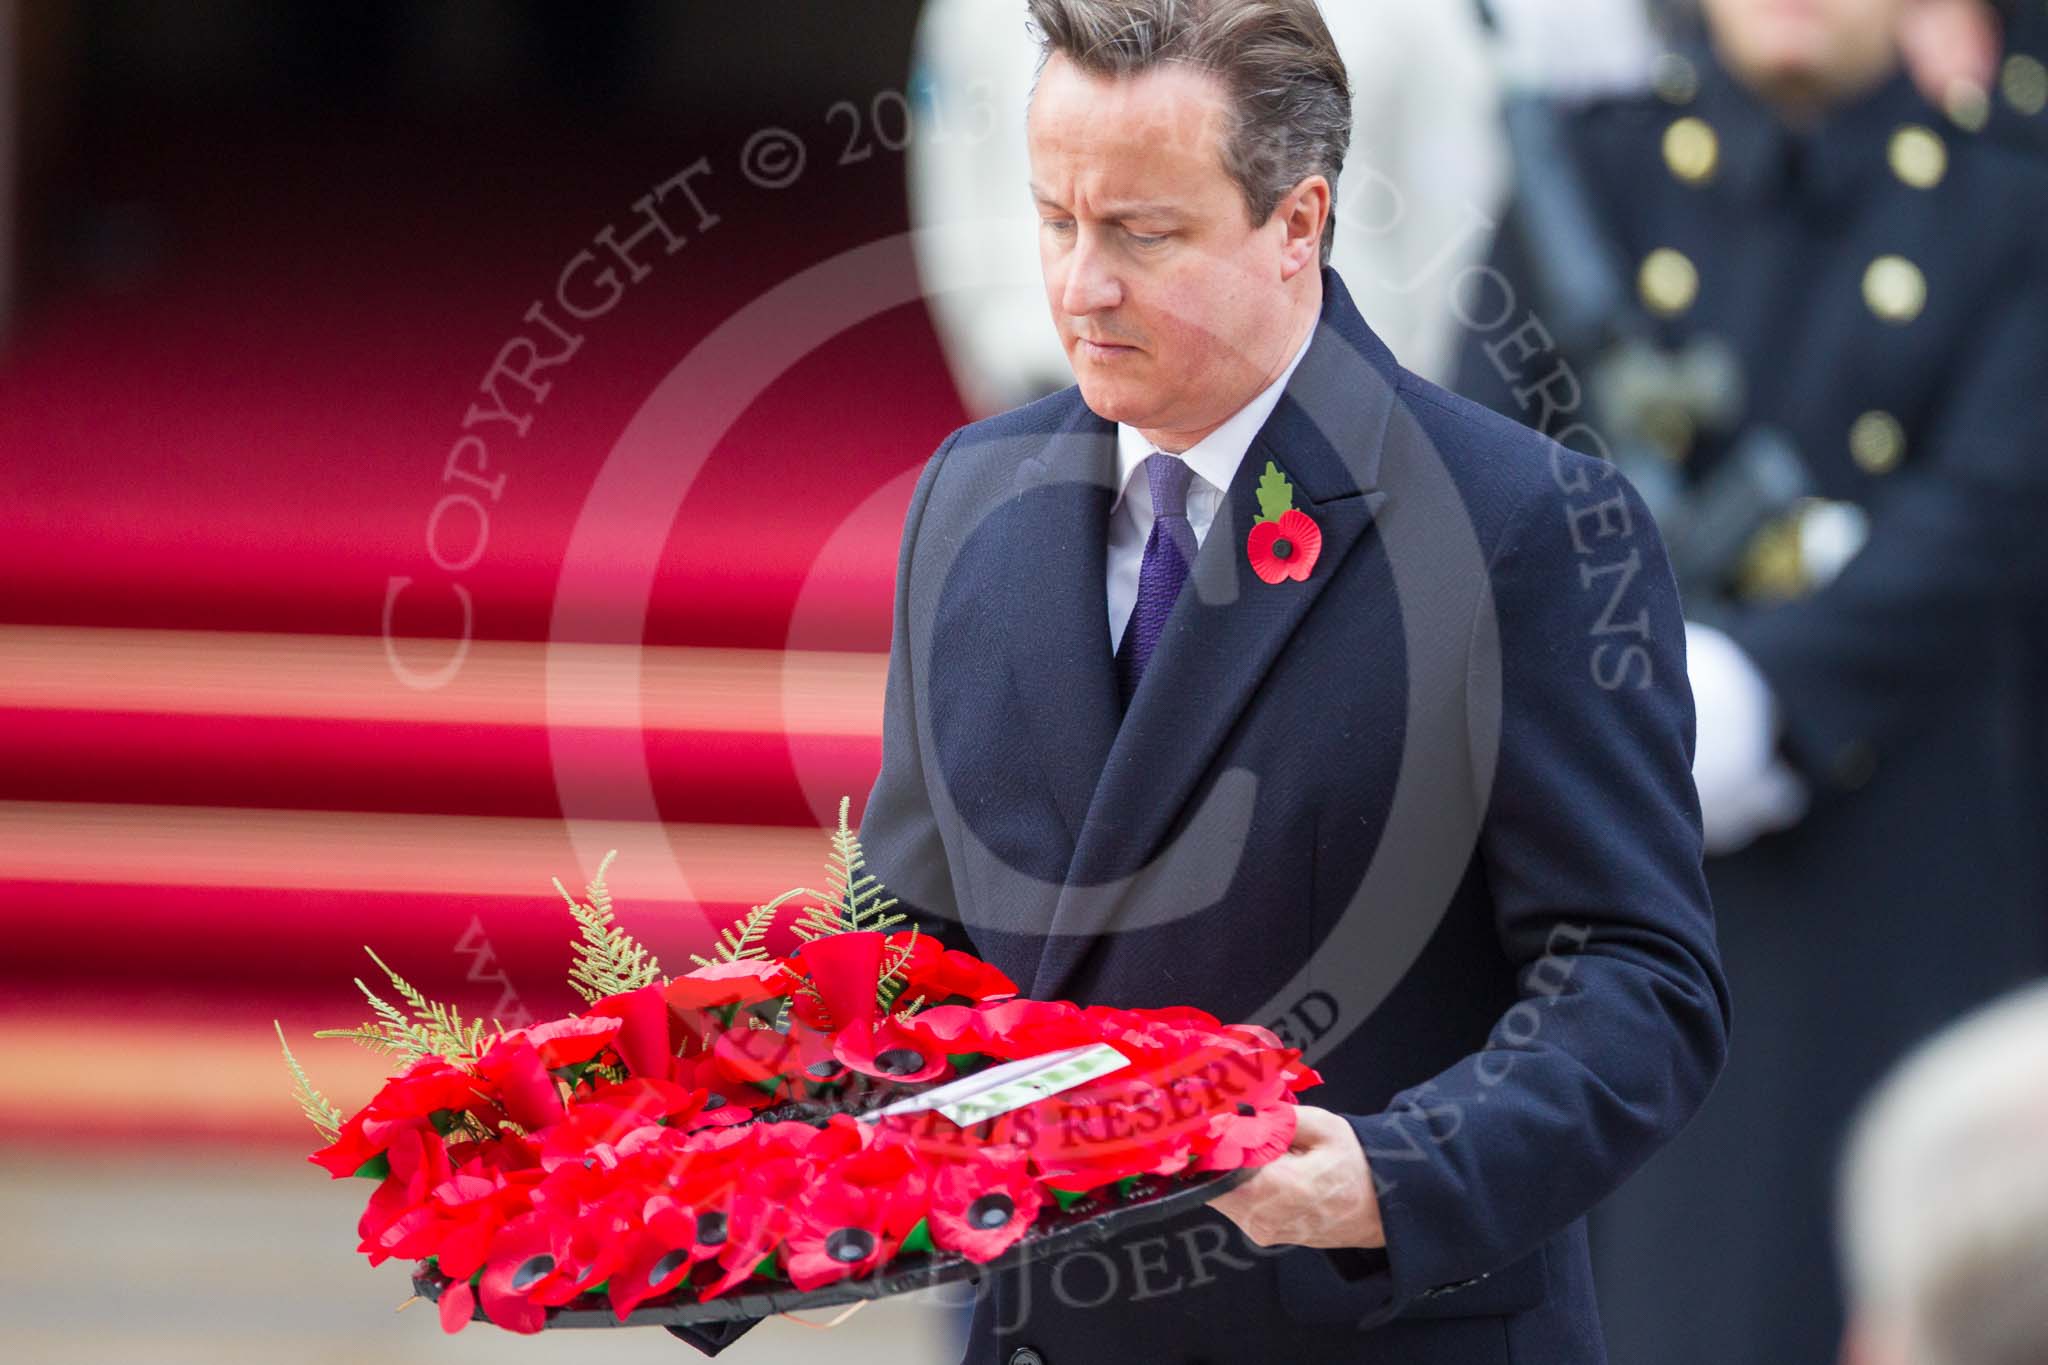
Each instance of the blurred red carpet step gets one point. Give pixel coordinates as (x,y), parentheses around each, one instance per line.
(328,723)
(261,895)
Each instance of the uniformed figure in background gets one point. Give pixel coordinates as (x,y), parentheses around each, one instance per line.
(1805,311)
(2016,112)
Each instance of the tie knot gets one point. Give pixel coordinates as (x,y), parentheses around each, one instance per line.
(1168,475)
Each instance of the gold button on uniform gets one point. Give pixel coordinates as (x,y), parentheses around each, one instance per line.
(1877,442)
(1691,150)
(1668,282)
(1772,568)
(1919,157)
(1895,289)
(2024,82)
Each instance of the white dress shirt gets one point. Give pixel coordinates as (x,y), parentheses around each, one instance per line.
(1213,461)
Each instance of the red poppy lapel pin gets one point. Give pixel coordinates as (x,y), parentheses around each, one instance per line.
(1284,541)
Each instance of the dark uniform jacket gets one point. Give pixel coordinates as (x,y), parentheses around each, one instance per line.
(1882,281)
(1426,813)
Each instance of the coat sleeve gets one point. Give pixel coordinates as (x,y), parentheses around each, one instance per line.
(1591,848)
(1955,554)
(897,831)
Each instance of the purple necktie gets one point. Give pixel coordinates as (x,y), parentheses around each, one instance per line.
(1169,551)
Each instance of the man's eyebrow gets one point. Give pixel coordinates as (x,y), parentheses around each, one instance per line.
(1119,212)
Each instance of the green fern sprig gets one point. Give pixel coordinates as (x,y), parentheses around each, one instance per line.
(893,979)
(314,1105)
(378,1038)
(742,940)
(390,1033)
(444,1026)
(609,961)
(855,901)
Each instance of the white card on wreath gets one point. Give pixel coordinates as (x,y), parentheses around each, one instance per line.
(999,1089)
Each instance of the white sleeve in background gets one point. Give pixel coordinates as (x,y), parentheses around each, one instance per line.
(976,228)
(1745,788)
(1427,167)
(1576,47)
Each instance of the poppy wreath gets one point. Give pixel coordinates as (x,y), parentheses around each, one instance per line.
(756,1122)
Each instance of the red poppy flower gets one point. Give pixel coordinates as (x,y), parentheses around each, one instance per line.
(415,1233)
(863,1191)
(1009,1029)
(1286,548)
(700,1170)
(937,973)
(521,1082)
(419,1162)
(661,1258)
(460,1219)
(845,969)
(949,1028)
(457,1305)
(643,1044)
(726,1077)
(565,1042)
(522,1264)
(1245,1135)
(851,1152)
(350,1151)
(839,1231)
(407,1101)
(1182,1017)
(1299,1074)
(1295,1073)
(548,1257)
(617,1121)
(729,983)
(591,1133)
(753,1211)
(1115,1126)
(1180,1080)
(981,1206)
(889,1050)
(747,1056)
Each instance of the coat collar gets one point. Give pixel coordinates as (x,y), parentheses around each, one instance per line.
(1120,781)
(1764,158)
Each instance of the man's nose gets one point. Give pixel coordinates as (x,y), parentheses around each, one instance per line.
(1091,284)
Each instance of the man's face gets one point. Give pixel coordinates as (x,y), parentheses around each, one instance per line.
(1824,47)
(1163,293)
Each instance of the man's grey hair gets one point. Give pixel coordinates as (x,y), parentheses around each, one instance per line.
(1289,94)
(1944,1194)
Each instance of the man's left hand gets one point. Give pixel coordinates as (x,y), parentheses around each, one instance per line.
(1318,1194)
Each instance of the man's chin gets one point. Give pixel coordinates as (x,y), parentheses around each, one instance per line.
(1113,400)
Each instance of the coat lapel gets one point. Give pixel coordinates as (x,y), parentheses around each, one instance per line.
(1057,628)
(1220,640)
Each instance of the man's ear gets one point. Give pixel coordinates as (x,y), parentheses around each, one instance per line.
(1304,214)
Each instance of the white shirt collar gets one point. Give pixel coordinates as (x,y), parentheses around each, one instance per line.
(1215,457)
